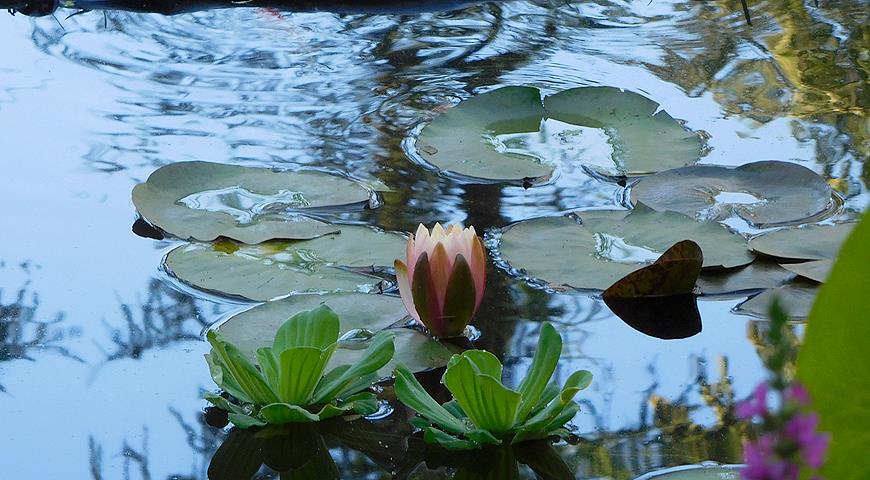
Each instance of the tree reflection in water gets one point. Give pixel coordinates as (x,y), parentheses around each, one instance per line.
(22,333)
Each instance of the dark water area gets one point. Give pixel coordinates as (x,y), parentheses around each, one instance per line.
(101,368)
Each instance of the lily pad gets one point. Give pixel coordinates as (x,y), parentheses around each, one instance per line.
(796,299)
(817,270)
(696,472)
(362,315)
(812,242)
(765,194)
(674,273)
(758,275)
(340,262)
(204,201)
(505,135)
(609,244)
(667,317)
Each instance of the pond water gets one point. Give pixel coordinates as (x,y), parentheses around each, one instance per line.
(101,366)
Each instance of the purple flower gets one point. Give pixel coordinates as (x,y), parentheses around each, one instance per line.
(762,462)
(754,406)
(802,430)
(796,393)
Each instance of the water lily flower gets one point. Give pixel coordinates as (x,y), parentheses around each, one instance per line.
(443,281)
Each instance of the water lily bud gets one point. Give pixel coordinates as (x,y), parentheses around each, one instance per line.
(443,282)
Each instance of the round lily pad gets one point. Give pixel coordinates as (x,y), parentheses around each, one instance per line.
(796,299)
(204,201)
(765,194)
(512,135)
(696,472)
(361,316)
(758,275)
(816,270)
(609,244)
(812,242)
(332,263)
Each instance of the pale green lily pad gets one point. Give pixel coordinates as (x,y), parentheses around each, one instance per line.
(796,299)
(758,275)
(505,135)
(332,263)
(361,316)
(811,242)
(817,270)
(764,194)
(696,472)
(204,201)
(609,244)
(644,138)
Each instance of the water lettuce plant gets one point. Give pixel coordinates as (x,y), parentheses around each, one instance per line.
(486,412)
(443,282)
(290,384)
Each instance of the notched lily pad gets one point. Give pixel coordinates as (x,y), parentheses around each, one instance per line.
(343,262)
(362,315)
(811,242)
(673,273)
(204,201)
(609,244)
(512,135)
(796,298)
(765,194)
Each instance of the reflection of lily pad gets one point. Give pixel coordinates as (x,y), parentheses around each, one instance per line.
(758,275)
(203,201)
(502,135)
(796,299)
(361,316)
(274,269)
(816,270)
(610,244)
(812,242)
(763,193)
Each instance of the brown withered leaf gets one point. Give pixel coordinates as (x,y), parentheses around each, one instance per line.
(674,273)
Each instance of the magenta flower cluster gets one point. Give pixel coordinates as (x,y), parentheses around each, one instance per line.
(789,441)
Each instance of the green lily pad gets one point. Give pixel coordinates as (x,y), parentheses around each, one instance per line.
(758,275)
(696,472)
(817,270)
(511,135)
(204,201)
(812,242)
(797,299)
(764,194)
(362,315)
(609,244)
(342,262)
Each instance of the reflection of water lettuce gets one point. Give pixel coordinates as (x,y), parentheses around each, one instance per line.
(484,411)
(290,384)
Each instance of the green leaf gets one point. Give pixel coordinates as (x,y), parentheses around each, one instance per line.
(318,328)
(543,365)
(222,403)
(549,393)
(378,353)
(269,365)
(245,421)
(242,371)
(281,413)
(225,382)
(576,382)
(449,442)
(489,404)
(483,362)
(300,370)
(833,361)
(411,393)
